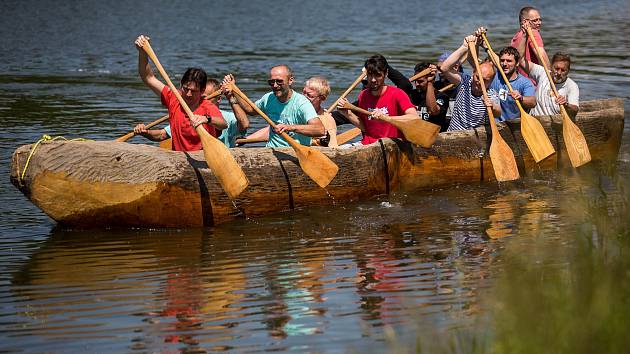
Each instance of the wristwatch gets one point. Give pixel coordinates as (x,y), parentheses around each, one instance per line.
(233,101)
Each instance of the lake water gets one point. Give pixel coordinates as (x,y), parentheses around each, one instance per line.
(539,266)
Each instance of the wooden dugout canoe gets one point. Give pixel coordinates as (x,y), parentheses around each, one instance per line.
(109,184)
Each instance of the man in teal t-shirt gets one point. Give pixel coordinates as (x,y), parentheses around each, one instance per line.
(292,112)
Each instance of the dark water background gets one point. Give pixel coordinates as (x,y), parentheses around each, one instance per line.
(539,266)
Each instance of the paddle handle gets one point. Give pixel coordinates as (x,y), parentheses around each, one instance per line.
(493,56)
(446,88)
(424,72)
(532,39)
(343,95)
(285,136)
(150,125)
(214,94)
(473,53)
(241,141)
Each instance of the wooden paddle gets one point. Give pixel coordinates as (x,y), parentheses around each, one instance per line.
(217,155)
(150,125)
(501,155)
(348,135)
(241,141)
(424,72)
(329,124)
(158,121)
(313,162)
(532,130)
(354,132)
(418,131)
(574,140)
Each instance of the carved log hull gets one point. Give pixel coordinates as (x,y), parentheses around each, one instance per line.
(110,184)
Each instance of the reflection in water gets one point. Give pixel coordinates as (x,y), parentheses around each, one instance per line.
(313,280)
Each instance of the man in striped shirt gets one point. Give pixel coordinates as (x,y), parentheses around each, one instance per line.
(469,110)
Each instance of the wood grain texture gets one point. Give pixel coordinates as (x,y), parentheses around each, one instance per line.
(98,184)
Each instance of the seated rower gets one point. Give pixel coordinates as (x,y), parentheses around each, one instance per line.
(431,104)
(193,84)
(237,122)
(568,90)
(381,100)
(292,112)
(469,110)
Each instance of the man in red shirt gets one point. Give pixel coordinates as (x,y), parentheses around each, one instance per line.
(381,100)
(193,84)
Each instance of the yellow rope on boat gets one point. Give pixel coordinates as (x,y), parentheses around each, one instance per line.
(44,138)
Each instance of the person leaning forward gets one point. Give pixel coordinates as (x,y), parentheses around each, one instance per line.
(470,106)
(381,100)
(292,112)
(193,84)
(236,121)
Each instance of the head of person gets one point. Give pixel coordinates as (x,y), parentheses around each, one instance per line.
(421,82)
(560,67)
(530,15)
(376,70)
(487,72)
(316,90)
(509,57)
(280,81)
(211,86)
(193,84)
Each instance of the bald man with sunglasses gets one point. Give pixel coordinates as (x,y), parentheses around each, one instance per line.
(292,112)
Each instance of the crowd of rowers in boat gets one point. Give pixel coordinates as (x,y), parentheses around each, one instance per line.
(436,87)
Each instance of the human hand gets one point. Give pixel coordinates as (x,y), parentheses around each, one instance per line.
(479,31)
(561,100)
(516,95)
(141,41)
(198,119)
(284,128)
(140,129)
(342,104)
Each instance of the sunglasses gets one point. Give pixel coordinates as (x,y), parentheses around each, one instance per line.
(272,82)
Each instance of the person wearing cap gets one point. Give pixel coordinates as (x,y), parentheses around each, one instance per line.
(440,79)
(431,104)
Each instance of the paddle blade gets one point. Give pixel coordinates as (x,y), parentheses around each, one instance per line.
(574,140)
(418,131)
(535,137)
(503,161)
(331,127)
(316,165)
(223,165)
(348,135)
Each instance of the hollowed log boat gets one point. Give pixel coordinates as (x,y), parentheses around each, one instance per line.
(112,184)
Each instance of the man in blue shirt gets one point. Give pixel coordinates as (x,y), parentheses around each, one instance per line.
(524,90)
(291,111)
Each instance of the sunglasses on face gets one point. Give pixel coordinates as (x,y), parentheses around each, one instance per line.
(188,89)
(310,96)
(272,82)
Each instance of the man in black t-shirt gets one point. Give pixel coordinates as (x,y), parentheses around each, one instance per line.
(431,104)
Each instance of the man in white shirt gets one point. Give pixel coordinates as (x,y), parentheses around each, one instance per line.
(569,93)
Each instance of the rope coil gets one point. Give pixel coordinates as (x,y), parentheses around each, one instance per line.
(44,138)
